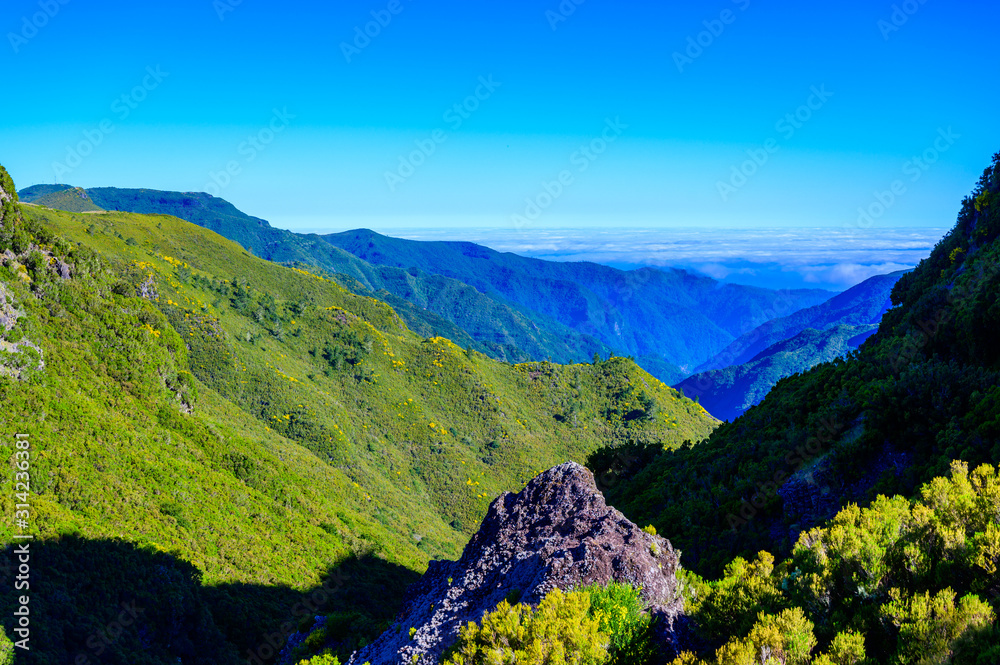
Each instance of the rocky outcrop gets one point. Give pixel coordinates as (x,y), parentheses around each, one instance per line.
(556,533)
(9,311)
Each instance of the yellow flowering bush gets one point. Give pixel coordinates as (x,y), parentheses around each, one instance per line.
(561,631)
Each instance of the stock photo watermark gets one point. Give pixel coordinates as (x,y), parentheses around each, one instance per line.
(122,107)
(248,150)
(900,15)
(787,126)
(914,169)
(223,7)
(562,13)
(22,521)
(582,158)
(696,44)
(796,460)
(363,35)
(427,146)
(31,25)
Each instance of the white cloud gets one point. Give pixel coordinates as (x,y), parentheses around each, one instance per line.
(827,258)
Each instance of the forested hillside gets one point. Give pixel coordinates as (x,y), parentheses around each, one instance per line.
(655,315)
(728,392)
(922,392)
(514,308)
(861,305)
(216,436)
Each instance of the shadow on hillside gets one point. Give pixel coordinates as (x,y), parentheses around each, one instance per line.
(112,602)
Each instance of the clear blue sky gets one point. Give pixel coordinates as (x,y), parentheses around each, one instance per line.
(689,123)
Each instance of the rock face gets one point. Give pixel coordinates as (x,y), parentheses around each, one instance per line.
(556,533)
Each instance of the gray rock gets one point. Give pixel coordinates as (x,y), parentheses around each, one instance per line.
(558,532)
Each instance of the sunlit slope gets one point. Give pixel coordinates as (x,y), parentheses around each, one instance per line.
(318,415)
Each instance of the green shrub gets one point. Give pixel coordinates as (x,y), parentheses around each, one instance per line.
(732,604)
(847,648)
(931,628)
(785,638)
(321,659)
(560,632)
(619,611)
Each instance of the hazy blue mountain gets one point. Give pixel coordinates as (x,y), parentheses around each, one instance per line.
(507,306)
(670,314)
(434,307)
(860,305)
(726,393)
(70,199)
(35,192)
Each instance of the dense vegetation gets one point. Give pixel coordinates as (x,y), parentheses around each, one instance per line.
(921,392)
(514,308)
(898,582)
(658,316)
(592,626)
(727,393)
(243,438)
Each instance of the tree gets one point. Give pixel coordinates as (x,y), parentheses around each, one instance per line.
(786,638)
(931,627)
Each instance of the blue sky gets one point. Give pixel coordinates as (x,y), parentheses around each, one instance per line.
(585,112)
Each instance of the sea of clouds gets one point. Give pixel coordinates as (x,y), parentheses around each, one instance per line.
(824,258)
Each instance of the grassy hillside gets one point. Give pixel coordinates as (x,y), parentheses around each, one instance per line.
(438,304)
(74,199)
(35,192)
(727,393)
(514,308)
(925,390)
(246,429)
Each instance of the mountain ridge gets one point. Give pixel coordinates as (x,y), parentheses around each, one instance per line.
(647,313)
(249,429)
(862,304)
(728,392)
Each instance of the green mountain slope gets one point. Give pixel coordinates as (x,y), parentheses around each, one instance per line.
(232,431)
(514,308)
(672,315)
(727,393)
(498,329)
(923,391)
(74,199)
(860,305)
(35,192)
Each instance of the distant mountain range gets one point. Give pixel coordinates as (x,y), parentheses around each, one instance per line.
(507,306)
(861,305)
(789,345)
(433,307)
(218,436)
(652,314)
(728,392)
